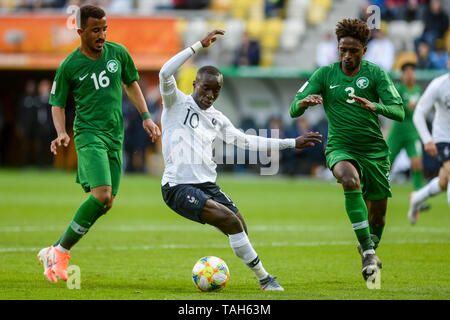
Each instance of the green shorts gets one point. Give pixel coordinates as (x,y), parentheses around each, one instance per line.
(374,173)
(412,146)
(98,165)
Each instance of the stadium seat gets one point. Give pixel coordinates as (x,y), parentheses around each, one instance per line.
(254,28)
(402,58)
(297,9)
(220,5)
(398,34)
(266,58)
(316,14)
(293,30)
(235,28)
(197,28)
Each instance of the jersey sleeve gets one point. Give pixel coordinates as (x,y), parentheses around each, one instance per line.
(60,88)
(313,86)
(424,106)
(167,82)
(231,135)
(392,103)
(129,70)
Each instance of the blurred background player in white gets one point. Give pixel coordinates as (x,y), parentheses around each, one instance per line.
(437,144)
(190,124)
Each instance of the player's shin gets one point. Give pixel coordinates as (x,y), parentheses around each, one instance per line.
(86,215)
(417,179)
(357,213)
(243,249)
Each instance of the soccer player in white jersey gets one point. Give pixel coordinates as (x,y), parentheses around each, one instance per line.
(190,124)
(437,144)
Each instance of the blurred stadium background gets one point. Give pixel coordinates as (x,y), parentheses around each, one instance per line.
(270,49)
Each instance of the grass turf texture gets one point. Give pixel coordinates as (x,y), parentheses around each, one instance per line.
(143,250)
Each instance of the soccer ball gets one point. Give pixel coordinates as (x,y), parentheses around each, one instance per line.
(210,274)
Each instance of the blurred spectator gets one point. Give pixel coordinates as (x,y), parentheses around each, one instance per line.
(436,24)
(428,59)
(190,4)
(394,9)
(326,51)
(120,7)
(40,4)
(249,52)
(414,10)
(273,8)
(46,130)
(380,50)
(29,105)
(137,141)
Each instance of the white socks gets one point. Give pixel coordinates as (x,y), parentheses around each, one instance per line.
(243,249)
(430,190)
(61,249)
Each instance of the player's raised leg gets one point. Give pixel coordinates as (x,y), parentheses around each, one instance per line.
(347,174)
(229,223)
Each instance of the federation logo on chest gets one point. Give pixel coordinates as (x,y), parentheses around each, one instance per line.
(112,66)
(362,82)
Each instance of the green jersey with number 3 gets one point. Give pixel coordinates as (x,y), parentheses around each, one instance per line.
(96,85)
(351,127)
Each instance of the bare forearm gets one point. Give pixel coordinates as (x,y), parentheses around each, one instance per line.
(59,119)
(134,92)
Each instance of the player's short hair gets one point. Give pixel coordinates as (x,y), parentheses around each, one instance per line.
(211,70)
(88,11)
(354,28)
(408,65)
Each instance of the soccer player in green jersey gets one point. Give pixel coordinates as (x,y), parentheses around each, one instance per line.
(356,152)
(94,73)
(403,135)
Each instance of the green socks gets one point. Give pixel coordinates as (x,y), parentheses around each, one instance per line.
(89,211)
(357,213)
(375,234)
(417,179)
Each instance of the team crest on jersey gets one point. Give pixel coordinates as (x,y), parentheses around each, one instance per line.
(112,66)
(362,82)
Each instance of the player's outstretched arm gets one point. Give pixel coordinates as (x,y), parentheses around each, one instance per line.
(307,140)
(134,92)
(59,121)
(167,83)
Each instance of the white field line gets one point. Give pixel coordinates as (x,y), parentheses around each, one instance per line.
(223,246)
(257,228)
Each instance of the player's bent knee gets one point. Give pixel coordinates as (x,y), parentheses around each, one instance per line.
(350,182)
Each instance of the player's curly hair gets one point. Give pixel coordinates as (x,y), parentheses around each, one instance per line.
(354,28)
(89,11)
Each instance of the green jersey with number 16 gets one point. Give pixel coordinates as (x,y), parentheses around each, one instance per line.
(350,126)
(96,85)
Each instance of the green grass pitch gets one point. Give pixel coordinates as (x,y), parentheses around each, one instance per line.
(142,250)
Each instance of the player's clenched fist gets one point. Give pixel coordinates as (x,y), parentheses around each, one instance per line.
(211,37)
(307,140)
(63,139)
